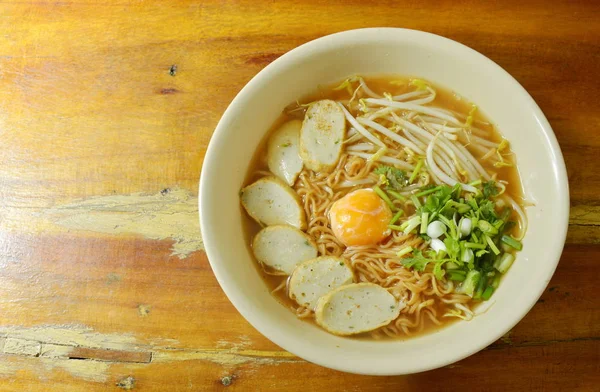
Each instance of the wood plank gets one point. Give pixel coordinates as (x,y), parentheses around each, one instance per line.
(110,355)
(572,365)
(112,277)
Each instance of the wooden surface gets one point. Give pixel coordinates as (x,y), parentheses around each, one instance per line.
(106,109)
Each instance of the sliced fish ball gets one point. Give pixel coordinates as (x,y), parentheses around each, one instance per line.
(283,247)
(270,201)
(283,152)
(323,131)
(314,278)
(356,308)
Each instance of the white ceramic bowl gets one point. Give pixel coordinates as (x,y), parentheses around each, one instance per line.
(383,51)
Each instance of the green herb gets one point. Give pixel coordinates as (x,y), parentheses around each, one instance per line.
(487,211)
(427,192)
(416,201)
(396,195)
(396,217)
(472,257)
(452,247)
(438,271)
(450,225)
(396,178)
(489,189)
(404,251)
(385,197)
(487,228)
(492,245)
(286,144)
(415,172)
(418,261)
(437,199)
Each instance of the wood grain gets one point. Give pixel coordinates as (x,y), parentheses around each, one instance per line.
(106,110)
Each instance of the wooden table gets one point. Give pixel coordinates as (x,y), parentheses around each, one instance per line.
(106,109)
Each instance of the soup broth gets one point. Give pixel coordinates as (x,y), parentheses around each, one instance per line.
(429,303)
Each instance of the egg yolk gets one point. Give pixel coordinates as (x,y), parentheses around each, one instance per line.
(360,218)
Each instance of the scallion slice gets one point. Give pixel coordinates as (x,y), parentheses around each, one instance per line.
(508,240)
(424,222)
(487,293)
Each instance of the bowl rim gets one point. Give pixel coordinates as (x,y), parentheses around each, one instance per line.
(211,160)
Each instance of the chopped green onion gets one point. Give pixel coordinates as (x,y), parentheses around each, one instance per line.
(473,203)
(461,208)
(385,197)
(452,266)
(508,240)
(404,251)
(396,195)
(504,262)
(411,224)
(433,216)
(396,217)
(424,222)
(487,227)
(487,293)
(499,223)
(473,245)
(481,285)
(427,192)
(451,225)
(475,183)
(492,245)
(415,172)
(415,201)
(468,256)
(496,281)
(457,276)
(395,227)
(471,281)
